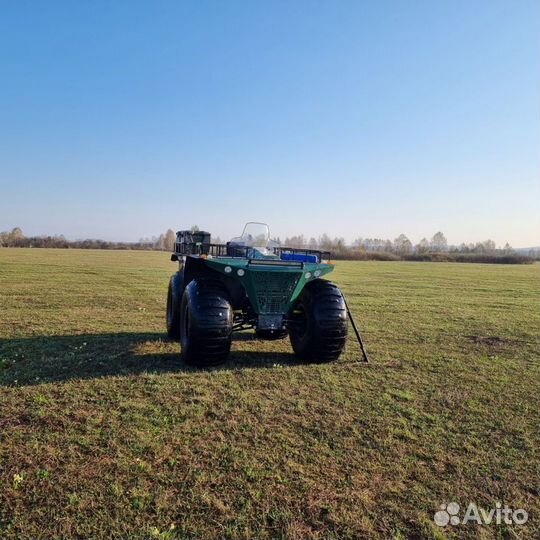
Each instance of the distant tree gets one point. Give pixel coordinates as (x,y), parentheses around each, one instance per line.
(160,243)
(367,244)
(339,244)
(438,242)
(325,242)
(312,243)
(195,228)
(379,244)
(170,238)
(507,250)
(489,245)
(296,241)
(422,246)
(402,244)
(13,238)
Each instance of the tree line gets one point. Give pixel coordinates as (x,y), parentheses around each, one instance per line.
(400,245)
(401,248)
(16,238)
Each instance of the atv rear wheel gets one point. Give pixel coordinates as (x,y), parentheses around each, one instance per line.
(318,325)
(206,321)
(174,297)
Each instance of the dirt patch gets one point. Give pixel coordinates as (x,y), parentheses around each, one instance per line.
(494,343)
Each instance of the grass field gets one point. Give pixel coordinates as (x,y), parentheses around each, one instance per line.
(104,432)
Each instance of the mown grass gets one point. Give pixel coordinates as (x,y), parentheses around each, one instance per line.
(105,432)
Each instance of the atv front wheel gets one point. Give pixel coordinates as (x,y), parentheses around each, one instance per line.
(206,321)
(318,325)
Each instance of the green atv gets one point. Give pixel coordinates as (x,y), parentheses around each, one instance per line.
(252,283)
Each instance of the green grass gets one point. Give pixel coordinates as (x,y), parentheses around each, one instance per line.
(105,432)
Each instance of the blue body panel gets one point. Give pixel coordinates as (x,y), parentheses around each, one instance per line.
(298,257)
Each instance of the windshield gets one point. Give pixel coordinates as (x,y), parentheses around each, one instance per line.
(256,234)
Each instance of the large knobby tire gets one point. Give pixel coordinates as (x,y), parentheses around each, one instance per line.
(318,326)
(206,321)
(174,297)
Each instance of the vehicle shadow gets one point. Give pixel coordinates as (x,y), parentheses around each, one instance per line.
(40,359)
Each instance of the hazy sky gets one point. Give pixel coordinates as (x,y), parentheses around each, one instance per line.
(122,119)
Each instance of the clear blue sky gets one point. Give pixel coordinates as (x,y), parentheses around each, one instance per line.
(121,119)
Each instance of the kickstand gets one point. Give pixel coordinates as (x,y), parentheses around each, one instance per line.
(358,336)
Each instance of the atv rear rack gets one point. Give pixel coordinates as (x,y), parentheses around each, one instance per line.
(231,250)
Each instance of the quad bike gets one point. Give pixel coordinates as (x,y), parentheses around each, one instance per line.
(253,283)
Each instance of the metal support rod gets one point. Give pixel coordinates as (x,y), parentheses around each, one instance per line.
(358,336)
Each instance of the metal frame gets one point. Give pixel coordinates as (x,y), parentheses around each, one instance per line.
(242,252)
